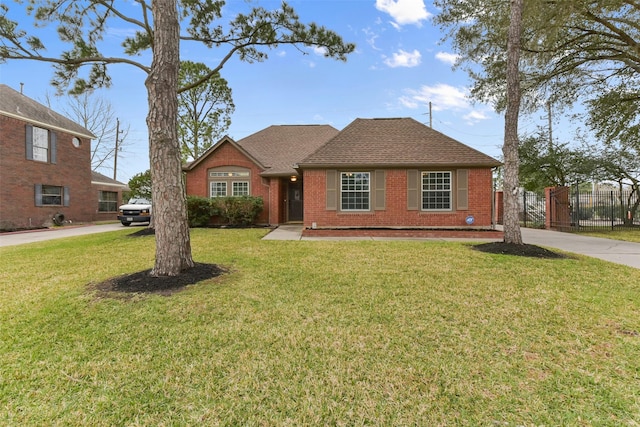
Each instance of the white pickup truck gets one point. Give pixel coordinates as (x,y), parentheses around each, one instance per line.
(137,210)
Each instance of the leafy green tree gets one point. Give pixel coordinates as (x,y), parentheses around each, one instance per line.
(140,185)
(571,50)
(623,167)
(159,27)
(545,163)
(204,111)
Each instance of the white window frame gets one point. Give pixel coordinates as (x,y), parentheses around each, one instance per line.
(358,188)
(439,186)
(213,194)
(234,191)
(40,144)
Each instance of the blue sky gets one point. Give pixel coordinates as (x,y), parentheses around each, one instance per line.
(399,66)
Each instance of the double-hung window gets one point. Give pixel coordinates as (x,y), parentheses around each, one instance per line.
(107,201)
(355,191)
(40,144)
(436,191)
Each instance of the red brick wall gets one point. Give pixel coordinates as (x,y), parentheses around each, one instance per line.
(227,155)
(396,213)
(105,216)
(18,177)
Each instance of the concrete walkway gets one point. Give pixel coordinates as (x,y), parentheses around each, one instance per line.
(616,251)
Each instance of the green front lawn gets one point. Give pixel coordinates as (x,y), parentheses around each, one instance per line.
(627,235)
(304,333)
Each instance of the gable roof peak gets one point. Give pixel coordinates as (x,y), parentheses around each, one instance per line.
(395,142)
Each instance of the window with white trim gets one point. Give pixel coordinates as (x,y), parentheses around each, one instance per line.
(218,189)
(436,191)
(40,144)
(240,188)
(229,181)
(355,191)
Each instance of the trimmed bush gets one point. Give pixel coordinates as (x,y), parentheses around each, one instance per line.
(238,210)
(199,211)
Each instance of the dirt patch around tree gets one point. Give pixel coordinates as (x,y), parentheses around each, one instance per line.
(143,282)
(531,251)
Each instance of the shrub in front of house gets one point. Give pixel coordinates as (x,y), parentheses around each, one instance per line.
(238,210)
(199,211)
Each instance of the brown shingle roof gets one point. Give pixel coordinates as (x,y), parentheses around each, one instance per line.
(395,142)
(16,105)
(280,148)
(98,178)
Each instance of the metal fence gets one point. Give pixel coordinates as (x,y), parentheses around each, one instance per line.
(532,209)
(573,210)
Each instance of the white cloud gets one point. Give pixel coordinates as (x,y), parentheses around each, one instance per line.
(320,50)
(476,116)
(404,12)
(404,59)
(371,38)
(444,97)
(447,58)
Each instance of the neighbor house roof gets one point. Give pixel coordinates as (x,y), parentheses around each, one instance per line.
(394,142)
(98,178)
(16,105)
(280,147)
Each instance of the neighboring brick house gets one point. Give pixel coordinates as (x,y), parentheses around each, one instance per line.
(376,173)
(45,165)
(396,173)
(261,165)
(107,196)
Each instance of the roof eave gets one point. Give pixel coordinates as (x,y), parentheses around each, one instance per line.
(396,165)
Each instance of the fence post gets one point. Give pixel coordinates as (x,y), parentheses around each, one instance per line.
(577,207)
(524,204)
(612,211)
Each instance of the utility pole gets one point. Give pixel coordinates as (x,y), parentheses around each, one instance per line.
(115,153)
(550,126)
(430,116)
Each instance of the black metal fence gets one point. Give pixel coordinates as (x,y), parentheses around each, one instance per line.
(573,209)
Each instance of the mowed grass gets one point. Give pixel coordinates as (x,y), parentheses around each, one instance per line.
(317,333)
(627,235)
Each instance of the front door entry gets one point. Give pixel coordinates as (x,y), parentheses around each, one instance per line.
(294,201)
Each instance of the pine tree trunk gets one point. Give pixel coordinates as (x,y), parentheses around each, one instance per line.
(511,184)
(173,245)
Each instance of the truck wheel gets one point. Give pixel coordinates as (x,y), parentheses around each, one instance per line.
(126,223)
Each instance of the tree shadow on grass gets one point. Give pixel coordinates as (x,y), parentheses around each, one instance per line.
(531,251)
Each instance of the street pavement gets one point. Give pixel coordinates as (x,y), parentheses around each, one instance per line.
(616,251)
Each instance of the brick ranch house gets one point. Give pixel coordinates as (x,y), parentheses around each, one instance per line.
(45,168)
(260,165)
(374,174)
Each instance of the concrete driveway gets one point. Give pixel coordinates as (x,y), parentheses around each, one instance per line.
(20,237)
